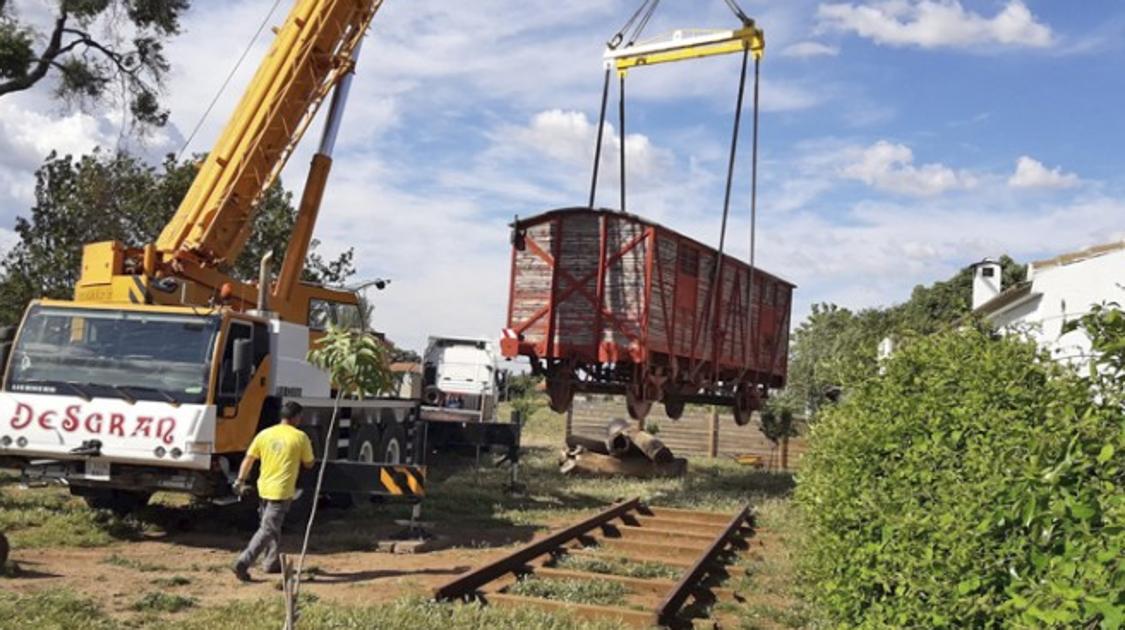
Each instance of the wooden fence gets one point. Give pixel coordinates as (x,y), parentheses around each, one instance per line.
(702,431)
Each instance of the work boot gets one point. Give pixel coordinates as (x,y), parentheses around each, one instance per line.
(240,571)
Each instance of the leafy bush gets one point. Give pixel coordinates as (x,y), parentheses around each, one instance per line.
(973,484)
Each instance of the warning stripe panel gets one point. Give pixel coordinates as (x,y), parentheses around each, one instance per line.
(403,480)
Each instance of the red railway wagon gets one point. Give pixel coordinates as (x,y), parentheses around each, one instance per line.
(607,302)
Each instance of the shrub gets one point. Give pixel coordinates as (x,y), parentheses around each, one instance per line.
(973,484)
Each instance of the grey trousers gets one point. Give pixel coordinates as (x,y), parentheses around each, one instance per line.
(268,537)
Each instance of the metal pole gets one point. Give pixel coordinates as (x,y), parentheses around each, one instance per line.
(598,146)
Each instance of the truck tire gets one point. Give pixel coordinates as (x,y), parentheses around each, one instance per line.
(364,448)
(121,502)
(365,444)
(392,445)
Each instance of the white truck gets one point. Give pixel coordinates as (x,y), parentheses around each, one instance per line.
(459,378)
(460,391)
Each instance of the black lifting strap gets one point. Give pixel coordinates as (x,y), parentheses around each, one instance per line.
(638,21)
(716,272)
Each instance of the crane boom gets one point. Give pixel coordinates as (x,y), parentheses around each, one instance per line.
(313,50)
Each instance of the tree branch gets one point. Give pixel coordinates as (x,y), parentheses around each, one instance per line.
(53,50)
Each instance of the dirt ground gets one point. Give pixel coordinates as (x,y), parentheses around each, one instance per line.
(117,574)
(342,563)
(182,550)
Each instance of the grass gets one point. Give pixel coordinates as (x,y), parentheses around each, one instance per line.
(619,566)
(171,582)
(602,593)
(472,500)
(157,601)
(711,484)
(50,517)
(134,564)
(63,610)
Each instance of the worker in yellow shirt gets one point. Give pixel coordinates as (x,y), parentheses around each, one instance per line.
(283,449)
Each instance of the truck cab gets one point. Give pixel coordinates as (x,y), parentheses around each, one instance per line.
(459,377)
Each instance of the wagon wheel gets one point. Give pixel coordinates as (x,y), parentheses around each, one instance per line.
(673,399)
(636,403)
(560,390)
(746,401)
(674,406)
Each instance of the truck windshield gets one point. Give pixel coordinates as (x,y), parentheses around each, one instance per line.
(132,355)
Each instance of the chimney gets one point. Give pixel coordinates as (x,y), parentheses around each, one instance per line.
(986,282)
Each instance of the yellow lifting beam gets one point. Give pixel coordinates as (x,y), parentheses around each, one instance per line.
(684,45)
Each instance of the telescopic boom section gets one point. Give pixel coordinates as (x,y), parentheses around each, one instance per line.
(313,51)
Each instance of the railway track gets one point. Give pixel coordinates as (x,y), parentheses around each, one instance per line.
(668,564)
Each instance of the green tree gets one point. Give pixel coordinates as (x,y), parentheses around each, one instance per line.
(835,349)
(100,197)
(97,50)
(359,365)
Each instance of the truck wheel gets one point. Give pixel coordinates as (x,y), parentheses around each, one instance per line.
(120,502)
(365,445)
(392,446)
(4,549)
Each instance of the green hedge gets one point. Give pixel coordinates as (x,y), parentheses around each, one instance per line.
(973,484)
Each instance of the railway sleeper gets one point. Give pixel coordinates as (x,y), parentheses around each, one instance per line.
(628,616)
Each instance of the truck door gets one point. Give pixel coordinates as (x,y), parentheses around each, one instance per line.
(240,396)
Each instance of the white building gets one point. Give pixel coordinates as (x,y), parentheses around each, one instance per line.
(1057,290)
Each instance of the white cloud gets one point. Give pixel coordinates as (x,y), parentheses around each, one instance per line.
(29,131)
(890,167)
(809,49)
(1031,173)
(936,24)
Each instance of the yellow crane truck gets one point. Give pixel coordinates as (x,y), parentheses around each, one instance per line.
(158,373)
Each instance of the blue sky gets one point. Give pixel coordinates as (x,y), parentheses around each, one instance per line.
(901,139)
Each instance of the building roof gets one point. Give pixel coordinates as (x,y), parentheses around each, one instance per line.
(1008,298)
(1084,254)
(400,367)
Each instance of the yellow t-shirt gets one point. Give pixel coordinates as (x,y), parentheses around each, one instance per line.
(281,449)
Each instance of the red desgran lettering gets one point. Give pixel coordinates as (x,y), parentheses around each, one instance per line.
(165,428)
(94,423)
(21,419)
(71,422)
(46,417)
(144,426)
(117,425)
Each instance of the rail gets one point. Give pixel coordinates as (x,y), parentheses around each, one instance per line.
(690,542)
